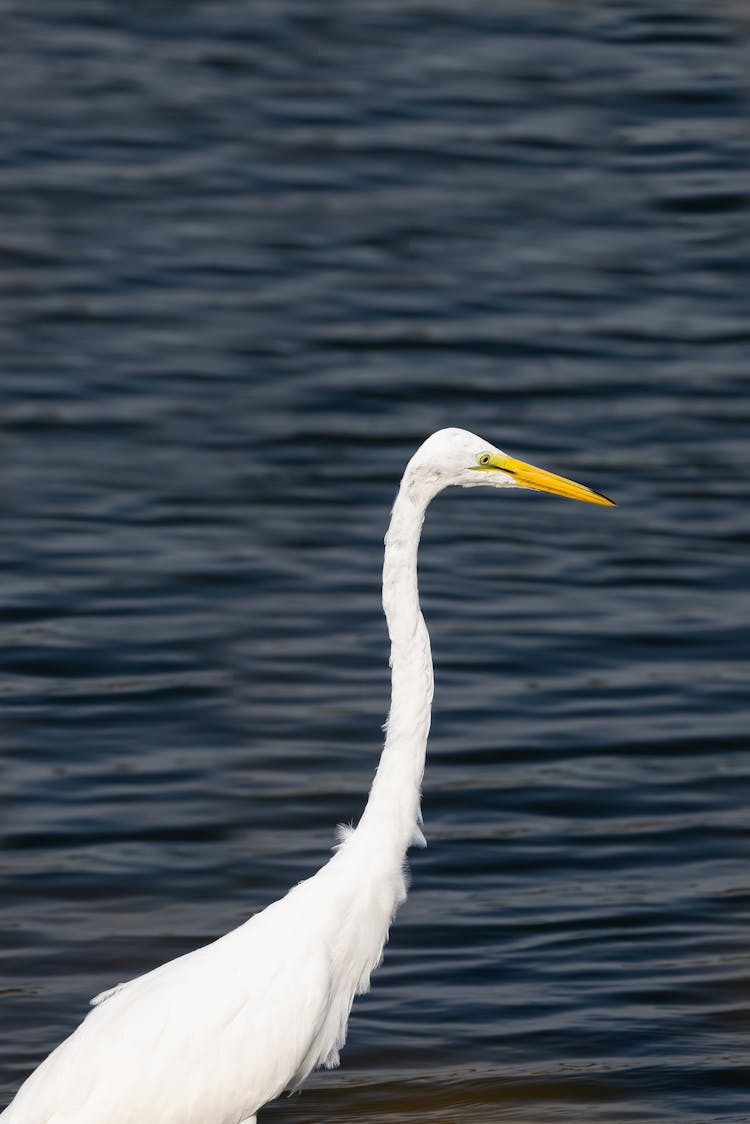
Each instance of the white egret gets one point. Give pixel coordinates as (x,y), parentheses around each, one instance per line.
(212,1036)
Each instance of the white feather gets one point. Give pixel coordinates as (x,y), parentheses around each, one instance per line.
(212,1036)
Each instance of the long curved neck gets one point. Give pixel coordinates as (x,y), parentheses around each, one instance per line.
(393,807)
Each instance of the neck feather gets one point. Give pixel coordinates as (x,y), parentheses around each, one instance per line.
(393,807)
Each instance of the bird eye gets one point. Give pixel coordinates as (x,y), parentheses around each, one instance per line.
(483,458)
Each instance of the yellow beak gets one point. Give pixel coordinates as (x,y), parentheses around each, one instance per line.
(541,481)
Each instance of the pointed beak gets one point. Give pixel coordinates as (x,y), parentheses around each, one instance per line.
(528,476)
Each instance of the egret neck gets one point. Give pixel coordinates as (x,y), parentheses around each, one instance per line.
(393,807)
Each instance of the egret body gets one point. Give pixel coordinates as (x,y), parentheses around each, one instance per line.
(212,1036)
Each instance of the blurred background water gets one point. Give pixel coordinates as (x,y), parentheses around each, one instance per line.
(250,255)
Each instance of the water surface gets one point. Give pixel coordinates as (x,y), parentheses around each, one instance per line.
(251,255)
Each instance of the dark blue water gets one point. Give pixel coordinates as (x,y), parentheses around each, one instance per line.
(250,256)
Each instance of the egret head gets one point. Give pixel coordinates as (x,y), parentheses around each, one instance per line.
(455,456)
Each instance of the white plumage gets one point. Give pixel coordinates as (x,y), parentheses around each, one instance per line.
(212,1036)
